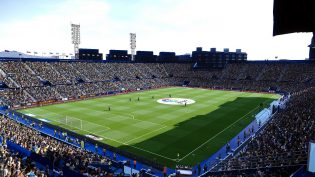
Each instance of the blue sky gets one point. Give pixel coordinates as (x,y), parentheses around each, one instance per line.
(160,25)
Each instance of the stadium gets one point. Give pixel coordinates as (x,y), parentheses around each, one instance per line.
(205,113)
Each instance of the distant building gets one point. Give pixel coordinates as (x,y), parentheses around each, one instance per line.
(216,59)
(90,54)
(118,55)
(312,48)
(184,58)
(166,57)
(145,56)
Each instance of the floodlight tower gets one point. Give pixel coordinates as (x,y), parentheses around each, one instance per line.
(75,34)
(133,45)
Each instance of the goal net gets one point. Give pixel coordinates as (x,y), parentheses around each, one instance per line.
(72,122)
(81,124)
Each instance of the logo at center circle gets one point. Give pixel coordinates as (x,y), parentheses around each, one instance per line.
(176,101)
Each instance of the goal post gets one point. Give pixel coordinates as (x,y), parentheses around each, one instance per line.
(72,122)
(81,124)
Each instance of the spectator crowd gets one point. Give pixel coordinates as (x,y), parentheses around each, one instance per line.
(12,165)
(283,143)
(41,81)
(60,154)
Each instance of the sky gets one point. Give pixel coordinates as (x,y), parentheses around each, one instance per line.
(43,26)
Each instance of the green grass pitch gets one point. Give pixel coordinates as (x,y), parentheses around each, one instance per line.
(159,131)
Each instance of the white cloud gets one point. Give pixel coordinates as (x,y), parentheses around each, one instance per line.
(165,25)
(51,31)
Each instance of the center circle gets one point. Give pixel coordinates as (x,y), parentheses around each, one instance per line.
(176,101)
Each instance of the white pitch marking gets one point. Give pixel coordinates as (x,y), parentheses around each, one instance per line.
(145,134)
(217,134)
(127,144)
(100,131)
(133,117)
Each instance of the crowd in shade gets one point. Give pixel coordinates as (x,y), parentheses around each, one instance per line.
(41,81)
(13,165)
(283,143)
(60,154)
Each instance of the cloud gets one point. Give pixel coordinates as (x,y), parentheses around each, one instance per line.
(161,25)
(51,31)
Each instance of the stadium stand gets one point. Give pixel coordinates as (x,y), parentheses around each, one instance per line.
(58,155)
(40,81)
(12,164)
(280,148)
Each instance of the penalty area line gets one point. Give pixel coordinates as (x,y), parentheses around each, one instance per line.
(101,131)
(145,134)
(135,147)
(133,118)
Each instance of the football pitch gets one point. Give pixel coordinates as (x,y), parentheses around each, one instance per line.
(158,131)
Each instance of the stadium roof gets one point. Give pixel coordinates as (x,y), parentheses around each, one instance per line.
(15,54)
(293,16)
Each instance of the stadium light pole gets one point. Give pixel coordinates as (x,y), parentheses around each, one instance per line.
(76,38)
(133,45)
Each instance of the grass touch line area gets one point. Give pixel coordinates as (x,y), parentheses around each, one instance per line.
(137,123)
(123,143)
(145,134)
(217,134)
